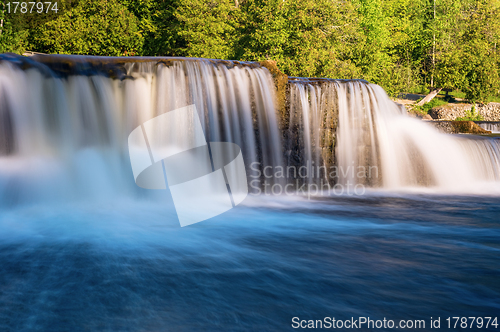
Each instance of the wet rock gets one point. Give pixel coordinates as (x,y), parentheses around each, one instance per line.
(459,127)
(280,80)
(469,127)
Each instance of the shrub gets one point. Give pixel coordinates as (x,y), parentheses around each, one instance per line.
(471,115)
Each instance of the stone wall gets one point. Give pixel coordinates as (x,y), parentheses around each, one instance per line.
(490,112)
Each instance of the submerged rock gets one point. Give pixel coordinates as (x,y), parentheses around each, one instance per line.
(468,127)
(459,127)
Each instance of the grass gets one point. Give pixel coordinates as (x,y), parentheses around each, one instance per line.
(424,109)
(443,99)
(461,95)
(493,99)
(455,94)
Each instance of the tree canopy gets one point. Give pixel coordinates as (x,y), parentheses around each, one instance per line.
(403,45)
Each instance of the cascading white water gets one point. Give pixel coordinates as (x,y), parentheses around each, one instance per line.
(379,145)
(225,98)
(311,126)
(494,127)
(64,131)
(65,135)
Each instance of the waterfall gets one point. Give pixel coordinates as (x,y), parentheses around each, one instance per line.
(65,120)
(64,123)
(378,145)
(494,127)
(312,124)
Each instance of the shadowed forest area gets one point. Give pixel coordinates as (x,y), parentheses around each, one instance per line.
(402,45)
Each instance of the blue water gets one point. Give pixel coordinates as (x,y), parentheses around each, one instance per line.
(128,266)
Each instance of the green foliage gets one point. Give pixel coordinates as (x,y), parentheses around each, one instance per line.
(471,115)
(306,38)
(425,108)
(11,40)
(468,59)
(156,24)
(208,28)
(100,27)
(402,45)
(493,99)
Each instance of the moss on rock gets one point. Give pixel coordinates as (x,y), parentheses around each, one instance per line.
(280,80)
(468,127)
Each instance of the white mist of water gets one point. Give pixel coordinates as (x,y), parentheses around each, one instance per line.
(65,136)
(494,127)
(379,145)
(312,123)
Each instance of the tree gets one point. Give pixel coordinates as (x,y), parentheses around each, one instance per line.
(468,59)
(209,29)
(11,40)
(100,27)
(398,44)
(306,38)
(159,26)
(407,43)
(479,55)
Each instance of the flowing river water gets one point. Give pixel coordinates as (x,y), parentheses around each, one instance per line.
(82,248)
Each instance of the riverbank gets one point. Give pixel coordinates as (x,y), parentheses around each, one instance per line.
(449,111)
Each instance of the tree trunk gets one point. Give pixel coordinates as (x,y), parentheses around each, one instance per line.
(429,97)
(1,21)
